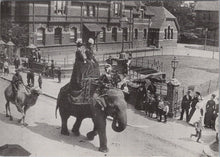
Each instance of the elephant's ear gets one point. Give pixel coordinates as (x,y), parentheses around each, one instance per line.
(101,102)
(108,101)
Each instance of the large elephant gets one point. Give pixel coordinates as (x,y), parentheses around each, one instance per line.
(114,106)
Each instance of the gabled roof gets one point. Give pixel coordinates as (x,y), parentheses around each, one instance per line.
(160,15)
(207,6)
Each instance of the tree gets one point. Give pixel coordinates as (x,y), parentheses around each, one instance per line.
(18,33)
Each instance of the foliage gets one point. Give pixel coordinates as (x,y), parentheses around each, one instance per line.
(184,15)
(17,32)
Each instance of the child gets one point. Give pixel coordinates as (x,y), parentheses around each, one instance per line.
(6,68)
(40,81)
(198,128)
(59,74)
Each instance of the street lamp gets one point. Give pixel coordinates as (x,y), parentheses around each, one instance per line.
(174,64)
(123,22)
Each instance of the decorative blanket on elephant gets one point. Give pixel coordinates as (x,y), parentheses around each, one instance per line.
(84,95)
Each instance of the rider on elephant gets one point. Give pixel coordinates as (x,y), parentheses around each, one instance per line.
(79,67)
(93,70)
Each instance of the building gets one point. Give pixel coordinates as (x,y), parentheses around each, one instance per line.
(207,19)
(54,26)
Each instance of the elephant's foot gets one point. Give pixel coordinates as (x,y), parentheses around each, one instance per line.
(103,149)
(7,115)
(90,135)
(65,132)
(11,118)
(76,133)
(19,120)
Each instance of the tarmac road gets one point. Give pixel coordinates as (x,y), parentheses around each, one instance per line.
(42,136)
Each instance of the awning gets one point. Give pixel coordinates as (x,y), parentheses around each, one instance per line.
(93,27)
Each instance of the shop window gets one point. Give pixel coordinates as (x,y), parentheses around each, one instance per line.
(114,34)
(168,33)
(58,36)
(73,34)
(171,33)
(41,36)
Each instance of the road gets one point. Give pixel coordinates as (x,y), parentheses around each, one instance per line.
(143,137)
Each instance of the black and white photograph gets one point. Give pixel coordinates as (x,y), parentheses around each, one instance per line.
(109,78)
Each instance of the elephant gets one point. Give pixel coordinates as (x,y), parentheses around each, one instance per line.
(114,105)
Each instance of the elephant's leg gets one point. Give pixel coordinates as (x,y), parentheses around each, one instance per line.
(64,129)
(76,126)
(100,124)
(90,135)
(9,110)
(6,108)
(24,114)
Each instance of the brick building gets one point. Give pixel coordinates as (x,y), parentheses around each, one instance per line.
(56,25)
(207,18)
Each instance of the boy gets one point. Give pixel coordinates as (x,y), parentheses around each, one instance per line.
(198,128)
(40,81)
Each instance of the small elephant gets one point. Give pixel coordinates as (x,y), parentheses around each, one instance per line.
(114,106)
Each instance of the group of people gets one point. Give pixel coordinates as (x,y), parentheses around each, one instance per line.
(152,103)
(199,115)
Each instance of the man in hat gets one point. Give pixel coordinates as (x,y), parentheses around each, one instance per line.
(210,107)
(16,81)
(195,100)
(186,105)
(93,69)
(79,67)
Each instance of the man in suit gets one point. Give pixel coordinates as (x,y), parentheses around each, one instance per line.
(186,105)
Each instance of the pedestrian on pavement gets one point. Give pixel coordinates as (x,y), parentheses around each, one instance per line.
(195,100)
(59,74)
(52,66)
(40,81)
(210,107)
(30,78)
(39,55)
(160,107)
(16,62)
(6,67)
(185,105)
(216,112)
(198,128)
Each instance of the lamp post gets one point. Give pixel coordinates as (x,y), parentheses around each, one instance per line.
(174,64)
(123,23)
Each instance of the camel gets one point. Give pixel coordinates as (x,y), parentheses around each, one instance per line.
(25,99)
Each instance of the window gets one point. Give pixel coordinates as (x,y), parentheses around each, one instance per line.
(165,33)
(171,34)
(58,36)
(102,35)
(41,36)
(168,36)
(117,9)
(145,34)
(73,34)
(136,34)
(89,11)
(114,34)
(60,7)
(125,34)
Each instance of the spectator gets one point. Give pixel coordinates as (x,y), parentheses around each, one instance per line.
(152,105)
(6,67)
(147,103)
(185,105)
(39,55)
(17,62)
(52,66)
(161,107)
(40,81)
(59,74)
(195,100)
(217,128)
(198,128)
(109,60)
(152,88)
(210,107)
(216,112)
(116,79)
(141,93)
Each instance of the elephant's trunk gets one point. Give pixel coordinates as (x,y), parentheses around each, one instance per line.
(120,122)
